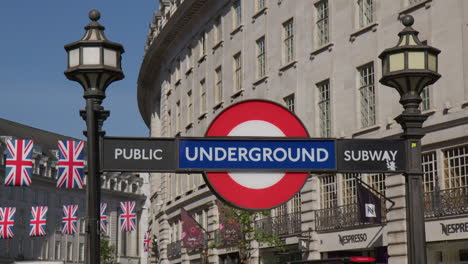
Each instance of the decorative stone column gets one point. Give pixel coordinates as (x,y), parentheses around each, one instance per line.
(310,203)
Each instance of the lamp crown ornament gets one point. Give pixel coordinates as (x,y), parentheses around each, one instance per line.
(94,61)
(409,66)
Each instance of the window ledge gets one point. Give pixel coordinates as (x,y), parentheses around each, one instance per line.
(178,134)
(202,116)
(177,82)
(237,29)
(261,80)
(287,66)
(259,13)
(201,59)
(371,27)
(218,105)
(321,49)
(413,7)
(366,130)
(464,104)
(168,92)
(189,70)
(428,112)
(237,93)
(219,44)
(189,125)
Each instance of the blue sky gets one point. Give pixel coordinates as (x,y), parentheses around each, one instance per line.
(34,90)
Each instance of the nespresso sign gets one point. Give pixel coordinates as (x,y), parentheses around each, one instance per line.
(356,238)
(455,228)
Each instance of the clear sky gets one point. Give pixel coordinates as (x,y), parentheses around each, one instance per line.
(33,89)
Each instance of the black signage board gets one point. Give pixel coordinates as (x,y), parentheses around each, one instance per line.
(138,154)
(371,155)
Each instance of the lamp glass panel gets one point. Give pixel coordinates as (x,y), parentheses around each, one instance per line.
(74,57)
(403,41)
(432,62)
(110,57)
(397,62)
(91,55)
(416,60)
(411,41)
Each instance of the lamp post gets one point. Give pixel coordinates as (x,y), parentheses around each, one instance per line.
(409,67)
(94,62)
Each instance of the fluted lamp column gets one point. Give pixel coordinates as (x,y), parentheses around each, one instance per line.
(94,62)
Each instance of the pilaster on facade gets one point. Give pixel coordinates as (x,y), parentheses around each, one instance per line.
(396,219)
(163,238)
(310,203)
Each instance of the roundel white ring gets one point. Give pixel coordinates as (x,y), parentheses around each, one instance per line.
(254,190)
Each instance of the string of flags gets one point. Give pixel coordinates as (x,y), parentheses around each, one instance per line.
(18,172)
(38,220)
(70,163)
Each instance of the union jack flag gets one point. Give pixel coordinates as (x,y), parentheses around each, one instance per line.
(7,222)
(127,216)
(147,241)
(103,220)
(37,225)
(69,219)
(70,164)
(19,162)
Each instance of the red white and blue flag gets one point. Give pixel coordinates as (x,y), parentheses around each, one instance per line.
(127,216)
(147,241)
(37,225)
(19,162)
(7,222)
(70,164)
(69,219)
(103,218)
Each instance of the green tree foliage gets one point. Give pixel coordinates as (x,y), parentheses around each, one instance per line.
(249,232)
(107,252)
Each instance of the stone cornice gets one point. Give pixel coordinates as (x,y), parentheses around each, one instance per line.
(155,55)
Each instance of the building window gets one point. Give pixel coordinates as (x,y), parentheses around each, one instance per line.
(261,56)
(425,96)
(366,12)
(202,44)
(349,188)
(82,252)
(324,108)
(322,22)
(288,40)
(429,166)
(237,14)
(296,203)
(202,97)
(412,2)
(260,4)
(69,251)
(237,72)
(218,30)
(377,182)
(219,85)
(57,250)
(289,101)
(177,116)
(367,94)
(328,191)
(456,167)
(189,107)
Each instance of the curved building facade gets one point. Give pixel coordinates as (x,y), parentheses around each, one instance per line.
(320,60)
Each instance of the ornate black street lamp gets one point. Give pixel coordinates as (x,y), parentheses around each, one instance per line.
(94,62)
(409,67)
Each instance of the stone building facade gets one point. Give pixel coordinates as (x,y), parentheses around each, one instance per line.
(320,59)
(116,187)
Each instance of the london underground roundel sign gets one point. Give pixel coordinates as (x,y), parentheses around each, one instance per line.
(256,191)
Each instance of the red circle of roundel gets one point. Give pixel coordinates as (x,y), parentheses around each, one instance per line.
(238,195)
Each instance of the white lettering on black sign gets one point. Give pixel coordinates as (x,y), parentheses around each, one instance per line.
(454,228)
(138,154)
(389,156)
(352,238)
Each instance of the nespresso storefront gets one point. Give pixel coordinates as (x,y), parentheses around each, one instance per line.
(447,241)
